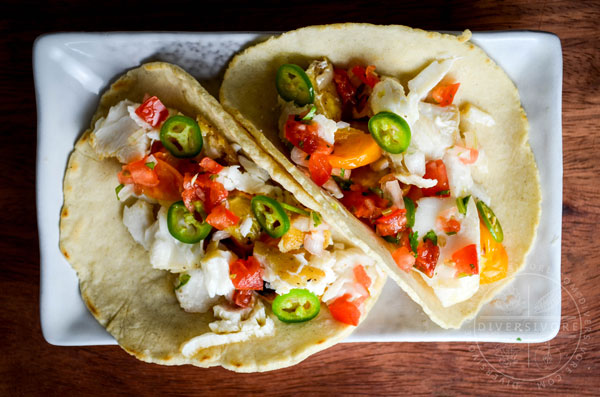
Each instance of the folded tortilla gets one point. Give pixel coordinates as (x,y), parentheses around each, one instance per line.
(135,302)
(248,92)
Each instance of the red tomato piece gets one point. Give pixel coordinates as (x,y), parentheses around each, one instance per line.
(427,257)
(305,136)
(391,224)
(221,218)
(319,167)
(170,183)
(246,274)
(152,111)
(138,173)
(447,222)
(467,155)
(360,274)
(243,298)
(404,258)
(436,169)
(466,260)
(363,203)
(367,75)
(443,94)
(344,310)
(211,166)
(344,87)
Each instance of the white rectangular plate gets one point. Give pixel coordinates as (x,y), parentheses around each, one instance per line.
(71,70)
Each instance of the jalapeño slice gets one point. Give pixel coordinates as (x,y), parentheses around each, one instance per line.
(390,131)
(181,136)
(270,215)
(490,221)
(296,306)
(294,85)
(184,226)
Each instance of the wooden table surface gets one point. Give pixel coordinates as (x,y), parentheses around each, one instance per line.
(30,366)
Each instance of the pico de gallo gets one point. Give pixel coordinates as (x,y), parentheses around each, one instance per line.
(403,162)
(234,240)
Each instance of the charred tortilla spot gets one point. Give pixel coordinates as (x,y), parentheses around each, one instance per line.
(65,212)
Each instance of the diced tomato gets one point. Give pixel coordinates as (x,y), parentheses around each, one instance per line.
(243,298)
(466,260)
(163,182)
(415,193)
(367,75)
(467,155)
(246,274)
(443,94)
(427,257)
(138,173)
(211,166)
(152,111)
(447,222)
(344,310)
(363,203)
(436,169)
(221,218)
(319,167)
(205,189)
(404,258)
(391,224)
(305,136)
(360,274)
(344,87)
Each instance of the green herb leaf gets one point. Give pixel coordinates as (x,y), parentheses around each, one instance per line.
(301,144)
(461,204)
(410,212)
(151,165)
(443,193)
(118,189)
(183,279)
(392,239)
(213,177)
(310,114)
(344,184)
(519,339)
(316,218)
(431,236)
(342,172)
(450,233)
(377,191)
(413,238)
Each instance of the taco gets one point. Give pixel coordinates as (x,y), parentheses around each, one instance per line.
(416,141)
(192,246)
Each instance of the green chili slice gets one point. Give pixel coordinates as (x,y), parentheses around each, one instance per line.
(184,226)
(181,136)
(294,85)
(297,210)
(270,215)
(296,306)
(490,221)
(390,131)
(410,211)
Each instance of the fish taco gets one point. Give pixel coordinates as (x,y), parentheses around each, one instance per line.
(416,141)
(192,246)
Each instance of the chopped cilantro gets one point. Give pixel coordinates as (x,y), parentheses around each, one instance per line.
(519,339)
(310,114)
(344,184)
(151,165)
(183,279)
(342,172)
(392,239)
(410,211)
(443,193)
(118,189)
(213,177)
(413,238)
(450,233)
(377,191)
(431,236)
(301,144)
(316,218)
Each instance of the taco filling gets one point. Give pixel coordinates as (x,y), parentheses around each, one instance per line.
(406,163)
(236,242)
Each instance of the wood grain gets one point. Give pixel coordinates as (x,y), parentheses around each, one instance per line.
(30,366)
